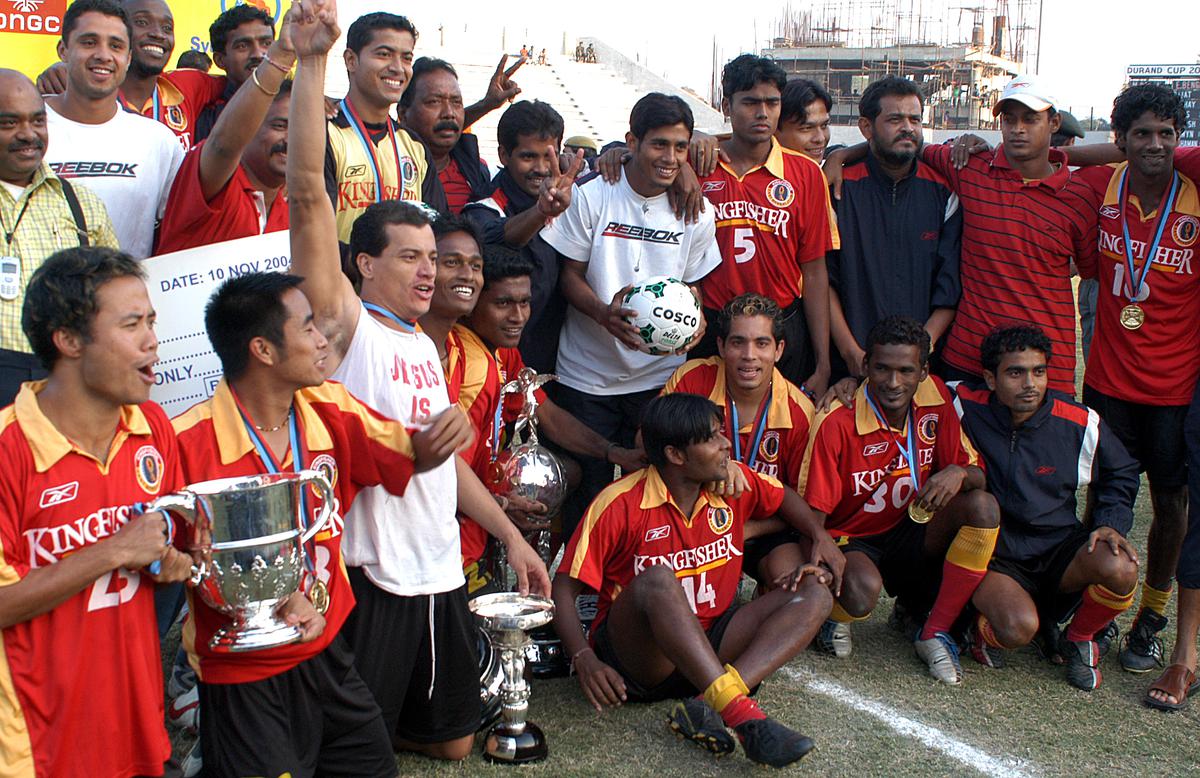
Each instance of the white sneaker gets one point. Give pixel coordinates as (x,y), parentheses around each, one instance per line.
(184,710)
(940,652)
(834,639)
(192,764)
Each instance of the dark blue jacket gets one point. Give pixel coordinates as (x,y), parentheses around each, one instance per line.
(1035,470)
(900,246)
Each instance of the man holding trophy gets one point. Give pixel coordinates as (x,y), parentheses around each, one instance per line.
(414,638)
(297,707)
(80,451)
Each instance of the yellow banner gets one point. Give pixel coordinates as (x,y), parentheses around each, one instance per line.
(30,29)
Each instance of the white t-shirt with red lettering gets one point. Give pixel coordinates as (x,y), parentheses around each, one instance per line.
(406,545)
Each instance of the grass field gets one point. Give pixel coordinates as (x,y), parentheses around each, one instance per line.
(880,713)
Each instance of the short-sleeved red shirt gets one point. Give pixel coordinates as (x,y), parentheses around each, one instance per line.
(854,471)
(81,690)
(770,221)
(635,523)
(1159,362)
(1018,240)
(234,212)
(781,448)
(354,447)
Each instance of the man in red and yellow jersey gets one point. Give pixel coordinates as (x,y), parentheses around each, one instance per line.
(766,416)
(897,483)
(78,452)
(774,222)
(302,707)
(665,555)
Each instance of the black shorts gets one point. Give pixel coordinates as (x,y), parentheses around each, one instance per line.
(674,686)
(1188,570)
(899,554)
(1041,575)
(423,671)
(1153,434)
(755,550)
(316,719)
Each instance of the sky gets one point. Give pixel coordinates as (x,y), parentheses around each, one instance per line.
(1085,45)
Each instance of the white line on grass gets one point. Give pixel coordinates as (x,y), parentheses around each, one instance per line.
(998,767)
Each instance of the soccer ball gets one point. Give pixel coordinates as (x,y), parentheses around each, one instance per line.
(667,314)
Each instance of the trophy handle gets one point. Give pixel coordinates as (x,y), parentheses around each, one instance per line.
(317,479)
(182,504)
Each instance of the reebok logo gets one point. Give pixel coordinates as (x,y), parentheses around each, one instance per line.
(57,495)
(95,169)
(874,448)
(712,186)
(658,533)
(635,232)
(1045,470)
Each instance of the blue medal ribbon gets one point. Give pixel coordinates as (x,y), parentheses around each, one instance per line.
(364,137)
(1164,212)
(403,324)
(157,102)
(910,452)
(760,428)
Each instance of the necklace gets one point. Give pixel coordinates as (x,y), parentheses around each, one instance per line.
(277,427)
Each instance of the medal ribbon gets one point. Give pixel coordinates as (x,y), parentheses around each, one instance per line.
(364,137)
(157,102)
(910,452)
(403,324)
(760,428)
(1164,211)
(273,465)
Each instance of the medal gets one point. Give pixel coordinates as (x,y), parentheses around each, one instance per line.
(318,594)
(760,427)
(1132,316)
(918,514)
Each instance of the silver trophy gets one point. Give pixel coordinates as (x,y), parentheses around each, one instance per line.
(525,468)
(249,536)
(506,619)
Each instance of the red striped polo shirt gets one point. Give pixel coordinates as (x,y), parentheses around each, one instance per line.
(1018,240)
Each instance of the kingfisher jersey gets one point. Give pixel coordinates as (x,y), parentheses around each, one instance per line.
(1157,363)
(354,448)
(854,471)
(635,523)
(177,101)
(780,448)
(473,381)
(81,690)
(350,172)
(770,221)
(405,545)
(624,238)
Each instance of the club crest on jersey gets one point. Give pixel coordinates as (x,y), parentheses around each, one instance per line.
(658,533)
(927,428)
(326,466)
(57,495)
(872,449)
(780,193)
(769,448)
(408,168)
(1184,231)
(712,186)
(175,118)
(720,520)
(148,469)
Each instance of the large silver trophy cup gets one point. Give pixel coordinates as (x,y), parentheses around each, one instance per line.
(525,468)
(506,619)
(249,535)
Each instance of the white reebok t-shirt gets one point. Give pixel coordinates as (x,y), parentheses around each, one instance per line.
(406,545)
(129,161)
(624,238)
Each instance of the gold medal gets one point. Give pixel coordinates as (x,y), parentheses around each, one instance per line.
(318,594)
(1132,316)
(918,514)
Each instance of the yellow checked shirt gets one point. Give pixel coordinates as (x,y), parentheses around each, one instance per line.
(46,227)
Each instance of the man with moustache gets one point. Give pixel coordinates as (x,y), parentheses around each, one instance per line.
(232,184)
(527,192)
(126,159)
(40,213)
(901,229)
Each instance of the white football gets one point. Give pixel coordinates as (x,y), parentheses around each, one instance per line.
(667,313)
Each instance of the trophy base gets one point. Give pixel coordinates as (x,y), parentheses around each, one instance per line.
(254,637)
(507,747)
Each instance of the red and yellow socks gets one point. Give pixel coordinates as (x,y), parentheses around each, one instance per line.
(729,696)
(966,564)
(1099,606)
(1155,599)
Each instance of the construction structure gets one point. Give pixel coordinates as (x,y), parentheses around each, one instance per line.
(960,55)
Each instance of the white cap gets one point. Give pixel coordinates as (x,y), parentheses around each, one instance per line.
(1028,90)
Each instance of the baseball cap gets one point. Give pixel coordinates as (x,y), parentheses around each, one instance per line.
(1027,90)
(1070,125)
(582,142)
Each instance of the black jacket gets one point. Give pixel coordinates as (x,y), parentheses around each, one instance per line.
(1035,470)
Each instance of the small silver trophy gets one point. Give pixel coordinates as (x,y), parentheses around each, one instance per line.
(525,468)
(250,535)
(506,619)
